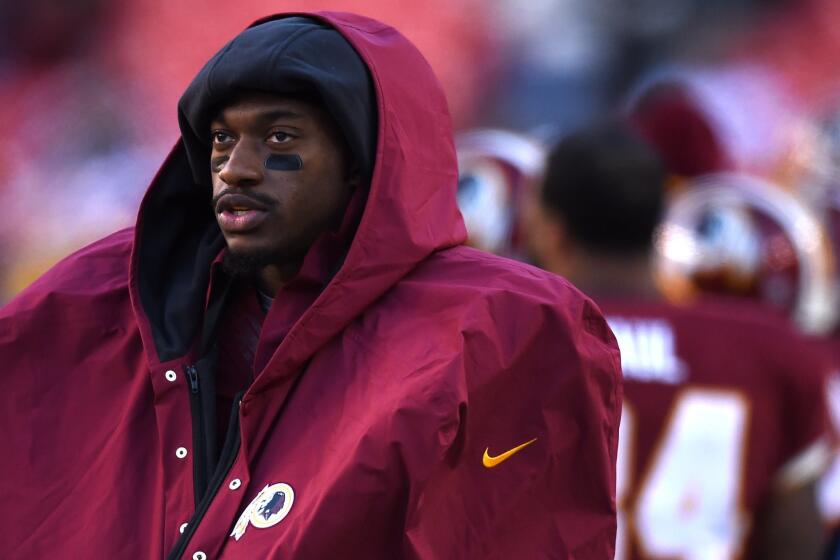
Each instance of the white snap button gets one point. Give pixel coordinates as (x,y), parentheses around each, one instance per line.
(181,452)
(170,375)
(183,527)
(199,556)
(234,484)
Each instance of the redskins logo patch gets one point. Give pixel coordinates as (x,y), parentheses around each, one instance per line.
(267,509)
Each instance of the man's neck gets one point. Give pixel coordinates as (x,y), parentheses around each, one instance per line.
(273,277)
(610,276)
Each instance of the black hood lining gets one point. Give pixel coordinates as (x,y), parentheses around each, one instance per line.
(306,57)
(174,255)
(177,234)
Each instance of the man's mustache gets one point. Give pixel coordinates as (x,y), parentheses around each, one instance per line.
(261,199)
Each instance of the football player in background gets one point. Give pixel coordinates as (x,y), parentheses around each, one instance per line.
(724,428)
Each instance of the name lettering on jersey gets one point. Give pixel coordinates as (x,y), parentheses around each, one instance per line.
(267,509)
(648,350)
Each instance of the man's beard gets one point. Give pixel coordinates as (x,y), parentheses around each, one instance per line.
(247,264)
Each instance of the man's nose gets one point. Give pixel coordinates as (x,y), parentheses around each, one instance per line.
(244,167)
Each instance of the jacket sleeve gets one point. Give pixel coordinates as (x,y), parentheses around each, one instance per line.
(530,472)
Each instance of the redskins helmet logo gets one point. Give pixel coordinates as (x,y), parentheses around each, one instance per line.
(267,509)
(742,235)
(496,168)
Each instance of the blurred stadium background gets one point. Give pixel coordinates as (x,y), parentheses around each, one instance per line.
(88,88)
(742,97)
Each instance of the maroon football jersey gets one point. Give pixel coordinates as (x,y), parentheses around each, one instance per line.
(722,402)
(828,489)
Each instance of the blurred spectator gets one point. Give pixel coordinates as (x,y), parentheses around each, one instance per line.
(567,61)
(73,168)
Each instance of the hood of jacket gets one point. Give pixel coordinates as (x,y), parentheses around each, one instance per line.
(408,213)
(296,56)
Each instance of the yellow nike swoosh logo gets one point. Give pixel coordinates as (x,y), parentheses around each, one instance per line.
(491,462)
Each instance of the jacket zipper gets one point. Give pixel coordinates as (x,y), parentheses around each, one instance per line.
(192,375)
(229,452)
(198,435)
(230,449)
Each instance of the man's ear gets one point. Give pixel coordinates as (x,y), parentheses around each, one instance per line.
(547,238)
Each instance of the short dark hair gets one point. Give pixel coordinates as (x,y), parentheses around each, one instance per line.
(607,184)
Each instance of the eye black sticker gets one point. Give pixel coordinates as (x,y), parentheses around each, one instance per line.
(284,162)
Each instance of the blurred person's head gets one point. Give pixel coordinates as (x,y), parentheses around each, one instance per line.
(598,206)
(676,124)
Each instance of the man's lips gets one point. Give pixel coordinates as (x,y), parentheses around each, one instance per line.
(235,201)
(238,213)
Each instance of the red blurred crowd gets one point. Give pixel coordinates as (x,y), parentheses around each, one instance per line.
(89,90)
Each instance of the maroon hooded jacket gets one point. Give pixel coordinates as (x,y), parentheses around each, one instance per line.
(376,404)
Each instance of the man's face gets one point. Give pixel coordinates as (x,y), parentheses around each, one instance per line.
(270,216)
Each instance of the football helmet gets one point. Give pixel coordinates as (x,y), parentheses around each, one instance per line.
(495,169)
(736,234)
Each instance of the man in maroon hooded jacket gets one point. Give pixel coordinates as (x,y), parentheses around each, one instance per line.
(310,366)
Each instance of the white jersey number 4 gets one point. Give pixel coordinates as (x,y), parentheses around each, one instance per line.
(688,502)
